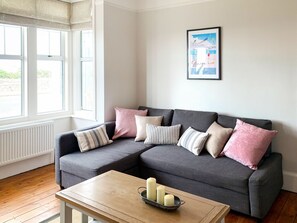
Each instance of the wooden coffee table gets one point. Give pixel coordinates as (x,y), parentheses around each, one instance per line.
(113,197)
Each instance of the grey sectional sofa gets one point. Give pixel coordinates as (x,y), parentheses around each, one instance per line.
(251,192)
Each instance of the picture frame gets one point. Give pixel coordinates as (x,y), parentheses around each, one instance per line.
(204,54)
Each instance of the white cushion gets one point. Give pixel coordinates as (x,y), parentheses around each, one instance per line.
(193,140)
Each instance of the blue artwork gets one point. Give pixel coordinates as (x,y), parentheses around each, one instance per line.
(203,54)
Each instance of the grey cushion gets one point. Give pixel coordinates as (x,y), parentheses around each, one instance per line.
(166,113)
(230,122)
(221,172)
(121,155)
(198,120)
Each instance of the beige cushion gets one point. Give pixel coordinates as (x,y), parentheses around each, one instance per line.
(218,136)
(141,122)
(193,140)
(162,134)
(93,138)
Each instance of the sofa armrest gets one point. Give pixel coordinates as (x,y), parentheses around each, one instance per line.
(67,143)
(265,185)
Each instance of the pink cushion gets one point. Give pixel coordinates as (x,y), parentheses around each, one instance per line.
(248,144)
(125,122)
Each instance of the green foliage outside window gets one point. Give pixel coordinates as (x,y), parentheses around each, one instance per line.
(17,75)
(10,75)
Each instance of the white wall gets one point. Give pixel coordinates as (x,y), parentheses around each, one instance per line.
(259,65)
(115,28)
(119,59)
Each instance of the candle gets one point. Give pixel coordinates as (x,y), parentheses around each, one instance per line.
(169,200)
(151,192)
(160,194)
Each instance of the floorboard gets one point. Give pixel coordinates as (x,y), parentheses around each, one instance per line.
(30,198)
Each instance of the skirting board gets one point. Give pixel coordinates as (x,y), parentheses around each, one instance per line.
(25,165)
(290,181)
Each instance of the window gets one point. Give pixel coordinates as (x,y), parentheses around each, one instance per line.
(87,74)
(11,71)
(32,73)
(50,71)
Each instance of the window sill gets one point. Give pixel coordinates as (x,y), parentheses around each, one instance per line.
(86,115)
(12,122)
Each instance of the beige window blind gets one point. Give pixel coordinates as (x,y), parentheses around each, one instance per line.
(81,15)
(46,13)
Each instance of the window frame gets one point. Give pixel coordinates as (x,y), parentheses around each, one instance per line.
(21,58)
(84,59)
(60,58)
(29,78)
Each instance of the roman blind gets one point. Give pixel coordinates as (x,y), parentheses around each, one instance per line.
(81,15)
(46,13)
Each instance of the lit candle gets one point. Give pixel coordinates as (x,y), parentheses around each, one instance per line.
(151,192)
(160,194)
(169,200)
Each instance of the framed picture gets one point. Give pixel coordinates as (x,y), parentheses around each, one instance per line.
(204,54)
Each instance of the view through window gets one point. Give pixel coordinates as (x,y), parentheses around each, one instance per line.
(17,70)
(50,75)
(11,71)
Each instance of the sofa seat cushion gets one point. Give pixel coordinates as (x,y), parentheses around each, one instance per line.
(221,172)
(121,155)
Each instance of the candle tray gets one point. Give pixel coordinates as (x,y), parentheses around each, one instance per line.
(177,202)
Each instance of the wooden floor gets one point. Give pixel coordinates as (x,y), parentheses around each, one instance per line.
(30,197)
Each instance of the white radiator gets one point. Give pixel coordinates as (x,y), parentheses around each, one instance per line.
(25,142)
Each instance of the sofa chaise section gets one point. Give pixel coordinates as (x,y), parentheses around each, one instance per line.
(122,155)
(73,166)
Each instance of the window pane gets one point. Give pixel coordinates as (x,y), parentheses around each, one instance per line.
(87,45)
(55,39)
(48,42)
(10,88)
(13,40)
(88,82)
(49,86)
(42,42)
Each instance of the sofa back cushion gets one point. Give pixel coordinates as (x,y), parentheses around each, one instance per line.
(166,113)
(199,120)
(230,122)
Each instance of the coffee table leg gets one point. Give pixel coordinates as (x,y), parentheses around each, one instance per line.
(65,213)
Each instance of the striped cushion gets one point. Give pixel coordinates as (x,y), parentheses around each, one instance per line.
(193,140)
(162,134)
(93,138)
